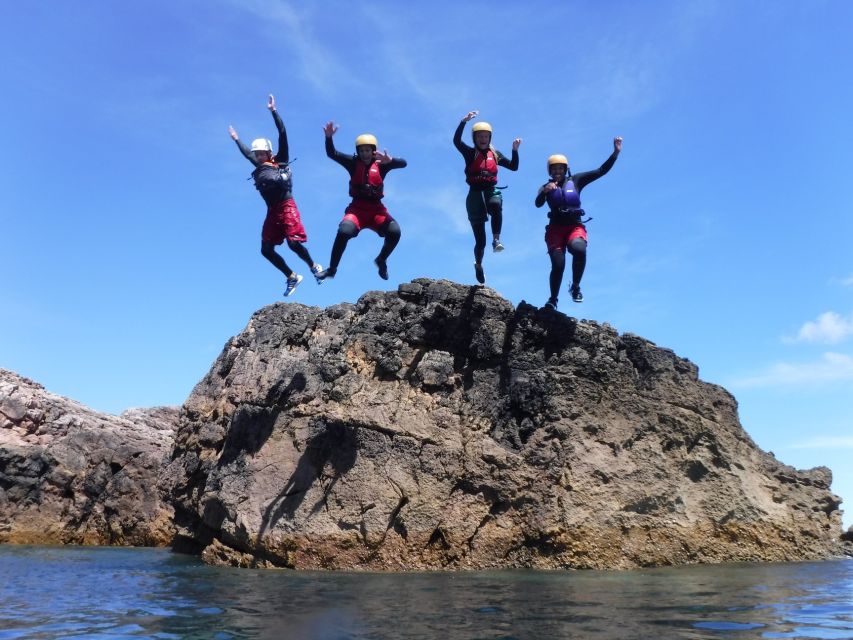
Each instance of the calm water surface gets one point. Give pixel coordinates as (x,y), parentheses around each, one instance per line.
(79,592)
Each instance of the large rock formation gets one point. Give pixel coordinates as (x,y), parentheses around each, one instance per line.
(71,475)
(439,427)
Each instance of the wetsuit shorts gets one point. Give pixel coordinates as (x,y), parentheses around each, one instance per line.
(283,222)
(559,236)
(476,201)
(368,214)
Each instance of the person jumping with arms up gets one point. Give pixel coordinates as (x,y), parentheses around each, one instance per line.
(481,173)
(566,230)
(367,169)
(273,180)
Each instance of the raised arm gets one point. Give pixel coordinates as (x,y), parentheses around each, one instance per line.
(243,148)
(283,155)
(341,158)
(583,179)
(511,164)
(464,149)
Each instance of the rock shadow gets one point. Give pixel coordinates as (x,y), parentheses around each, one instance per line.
(252,425)
(333,444)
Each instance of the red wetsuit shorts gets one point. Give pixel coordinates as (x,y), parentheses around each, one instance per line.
(283,222)
(368,214)
(559,236)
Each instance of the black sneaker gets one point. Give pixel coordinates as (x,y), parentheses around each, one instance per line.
(551,304)
(575,290)
(325,273)
(383,268)
(497,245)
(478,271)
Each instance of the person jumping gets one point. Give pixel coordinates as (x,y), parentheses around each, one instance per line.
(273,180)
(481,173)
(566,230)
(367,169)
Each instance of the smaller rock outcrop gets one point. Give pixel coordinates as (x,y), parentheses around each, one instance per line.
(71,475)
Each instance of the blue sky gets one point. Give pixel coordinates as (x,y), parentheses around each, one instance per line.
(130,235)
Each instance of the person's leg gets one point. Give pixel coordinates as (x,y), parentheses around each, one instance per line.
(295,233)
(479,229)
(268,251)
(577,247)
(301,250)
(391,232)
(555,279)
(346,231)
(495,208)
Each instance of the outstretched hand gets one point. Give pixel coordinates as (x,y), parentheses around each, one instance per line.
(232,132)
(516,144)
(617,143)
(271,103)
(330,129)
(382,156)
(470,115)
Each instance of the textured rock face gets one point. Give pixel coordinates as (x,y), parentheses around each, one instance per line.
(71,475)
(439,427)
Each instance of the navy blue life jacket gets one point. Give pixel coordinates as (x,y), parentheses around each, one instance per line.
(565,203)
(274,182)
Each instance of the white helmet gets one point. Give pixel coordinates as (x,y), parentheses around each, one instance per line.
(261,144)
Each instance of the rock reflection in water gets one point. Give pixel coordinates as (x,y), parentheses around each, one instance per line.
(48,592)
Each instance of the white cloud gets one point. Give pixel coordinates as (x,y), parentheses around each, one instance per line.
(848,281)
(833,367)
(829,328)
(826,442)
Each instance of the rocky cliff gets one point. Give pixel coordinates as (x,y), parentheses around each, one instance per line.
(72,475)
(439,427)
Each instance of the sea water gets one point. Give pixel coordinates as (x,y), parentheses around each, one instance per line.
(99,592)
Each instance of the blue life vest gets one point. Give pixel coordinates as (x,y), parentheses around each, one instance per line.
(565,204)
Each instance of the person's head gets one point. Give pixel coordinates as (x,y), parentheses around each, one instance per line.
(481,133)
(262,149)
(558,166)
(365,147)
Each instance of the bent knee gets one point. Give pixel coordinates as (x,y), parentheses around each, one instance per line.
(577,246)
(393,229)
(347,228)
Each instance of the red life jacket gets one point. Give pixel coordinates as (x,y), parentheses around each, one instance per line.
(366,181)
(483,170)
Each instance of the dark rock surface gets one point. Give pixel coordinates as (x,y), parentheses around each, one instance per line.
(72,475)
(439,427)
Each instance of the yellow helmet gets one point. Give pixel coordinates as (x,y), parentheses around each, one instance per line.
(481,126)
(557,158)
(366,138)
